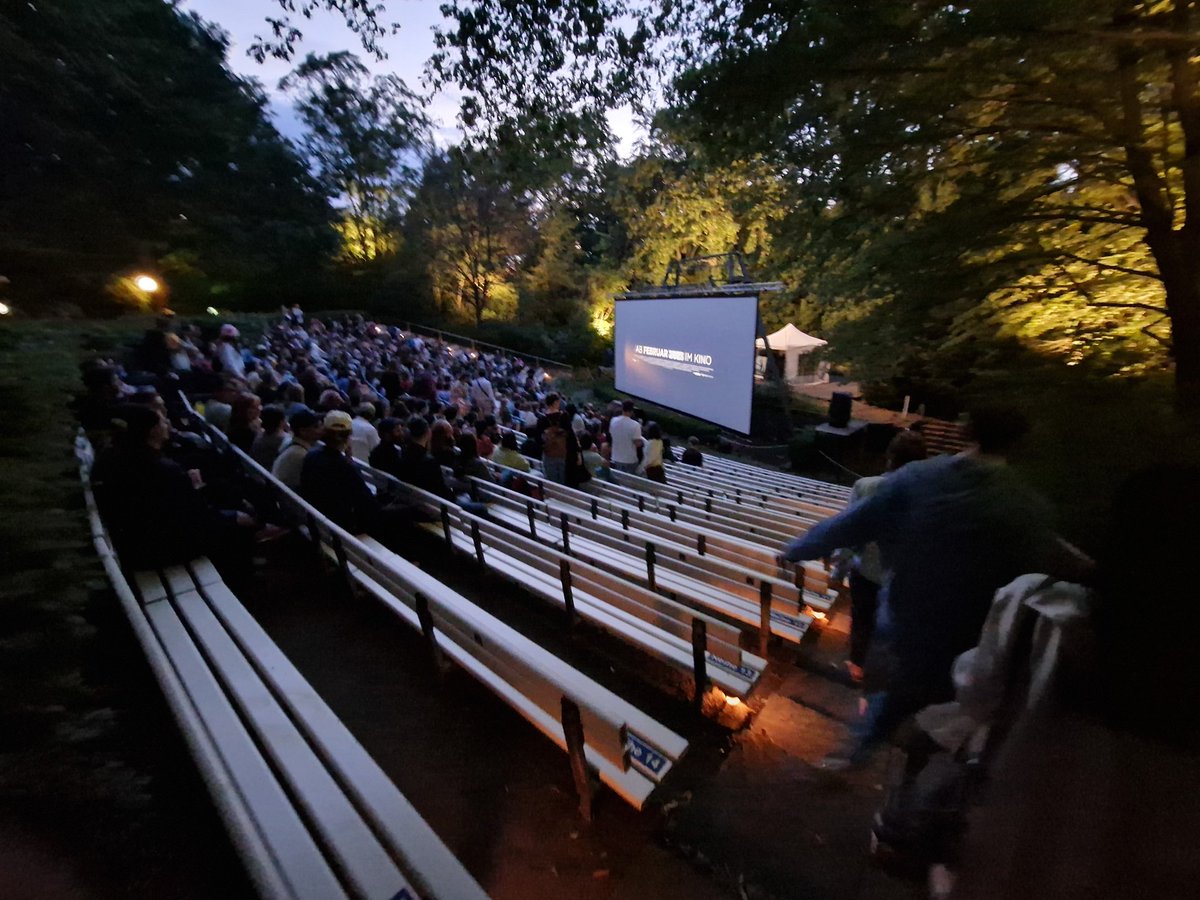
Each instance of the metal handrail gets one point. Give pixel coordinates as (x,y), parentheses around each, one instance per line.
(474,343)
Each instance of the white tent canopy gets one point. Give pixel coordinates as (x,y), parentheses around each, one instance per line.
(793,344)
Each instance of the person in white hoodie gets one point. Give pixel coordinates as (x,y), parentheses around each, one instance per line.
(364,436)
(227,352)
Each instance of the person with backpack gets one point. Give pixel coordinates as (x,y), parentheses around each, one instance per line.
(555,449)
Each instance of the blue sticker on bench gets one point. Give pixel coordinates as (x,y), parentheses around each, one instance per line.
(645,756)
(404,894)
(801,624)
(749,674)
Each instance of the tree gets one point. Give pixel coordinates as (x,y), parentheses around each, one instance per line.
(476,232)
(676,206)
(155,154)
(1054,147)
(363,17)
(969,139)
(531,75)
(364,140)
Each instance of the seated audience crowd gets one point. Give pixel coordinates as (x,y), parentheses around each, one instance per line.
(951,636)
(308,398)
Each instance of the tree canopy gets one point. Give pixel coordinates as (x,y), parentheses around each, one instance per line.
(153,157)
(943,187)
(364,143)
(1021,165)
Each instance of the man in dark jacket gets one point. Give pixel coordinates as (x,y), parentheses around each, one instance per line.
(952,531)
(416,466)
(332,483)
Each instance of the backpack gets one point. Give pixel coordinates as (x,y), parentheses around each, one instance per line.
(554,442)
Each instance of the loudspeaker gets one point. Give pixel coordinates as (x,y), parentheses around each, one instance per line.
(839,410)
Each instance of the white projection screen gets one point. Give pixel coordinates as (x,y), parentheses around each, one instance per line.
(691,354)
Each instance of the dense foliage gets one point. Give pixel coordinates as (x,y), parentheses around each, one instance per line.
(947,191)
(126,145)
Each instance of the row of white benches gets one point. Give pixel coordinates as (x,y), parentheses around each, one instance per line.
(772,479)
(711,502)
(685,638)
(629,751)
(308,810)
(652,560)
(745,484)
(710,532)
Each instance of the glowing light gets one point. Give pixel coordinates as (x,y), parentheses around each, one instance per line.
(818,615)
(602,323)
(732,701)
(546,377)
(213,311)
(146,283)
(5,309)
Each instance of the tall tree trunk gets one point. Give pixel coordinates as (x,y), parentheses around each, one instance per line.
(1181,278)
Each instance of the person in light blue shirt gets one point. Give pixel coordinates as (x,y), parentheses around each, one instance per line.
(951,531)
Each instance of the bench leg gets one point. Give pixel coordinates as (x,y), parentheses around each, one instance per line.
(699,663)
(573,731)
(425,617)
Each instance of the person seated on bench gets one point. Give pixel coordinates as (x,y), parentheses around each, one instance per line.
(692,455)
(306,431)
(102,393)
(418,468)
(331,482)
(593,460)
(469,464)
(509,456)
(386,455)
(156,511)
(269,441)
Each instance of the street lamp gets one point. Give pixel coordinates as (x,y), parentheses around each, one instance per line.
(146,283)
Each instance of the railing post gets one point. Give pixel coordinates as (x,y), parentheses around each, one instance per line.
(572,724)
(701,543)
(650,559)
(671,512)
(313,534)
(625,519)
(641,503)
(343,566)
(566,533)
(764,621)
(529,515)
(595,508)
(425,617)
(699,662)
(446,524)
(708,505)
(564,574)
(477,541)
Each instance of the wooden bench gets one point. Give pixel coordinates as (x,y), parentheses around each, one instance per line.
(310,813)
(942,437)
(720,587)
(630,752)
(785,482)
(677,634)
(768,523)
(708,536)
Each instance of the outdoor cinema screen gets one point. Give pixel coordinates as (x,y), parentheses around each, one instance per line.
(691,354)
